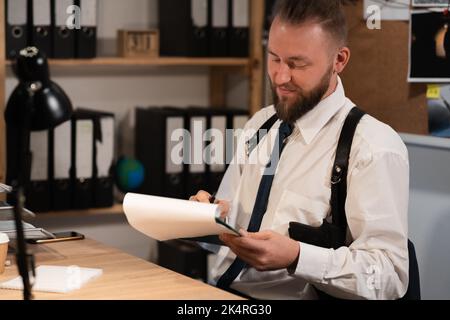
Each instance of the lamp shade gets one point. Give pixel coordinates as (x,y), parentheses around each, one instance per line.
(36,95)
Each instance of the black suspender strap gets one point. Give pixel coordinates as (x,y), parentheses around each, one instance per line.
(340,168)
(260,134)
(267,126)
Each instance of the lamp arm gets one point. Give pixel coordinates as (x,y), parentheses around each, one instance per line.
(24,260)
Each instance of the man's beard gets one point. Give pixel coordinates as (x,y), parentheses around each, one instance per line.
(304,102)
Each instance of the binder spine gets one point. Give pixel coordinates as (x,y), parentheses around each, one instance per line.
(219,28)
(217,166)
(86,36)
(63,38)
(173,178)
(103,166)
(100,158)
(240,21)
(38,188)
(17,22)
(149,150)
(40,31)
(174,27)
(200,13)
(59,166)
(195,167)
(82,197)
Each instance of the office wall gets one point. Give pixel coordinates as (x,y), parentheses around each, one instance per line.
(429,212)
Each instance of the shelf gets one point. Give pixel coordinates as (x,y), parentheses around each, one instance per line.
(218,68)
(161,61)
(114,210)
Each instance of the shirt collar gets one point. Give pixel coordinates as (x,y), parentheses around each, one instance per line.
(311,123)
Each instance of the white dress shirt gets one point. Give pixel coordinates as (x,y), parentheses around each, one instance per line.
(374,265)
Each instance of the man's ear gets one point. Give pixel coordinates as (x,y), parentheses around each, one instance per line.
(342,59)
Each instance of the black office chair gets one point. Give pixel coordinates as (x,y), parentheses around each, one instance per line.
(413,292)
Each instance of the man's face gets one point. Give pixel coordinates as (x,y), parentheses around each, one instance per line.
(301,67)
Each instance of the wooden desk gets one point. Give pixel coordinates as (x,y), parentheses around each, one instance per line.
(124,277)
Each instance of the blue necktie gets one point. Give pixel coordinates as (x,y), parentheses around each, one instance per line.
(260,206)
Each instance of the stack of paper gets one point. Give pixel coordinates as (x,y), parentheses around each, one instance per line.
(4,188)
(7,212)
(56,279)
(30,231)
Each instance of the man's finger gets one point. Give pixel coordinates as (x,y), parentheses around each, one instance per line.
(236,242)
(263,235)
(224,207)
(243,232)
(226,237)
(247,256)
(203,196)
(247,244)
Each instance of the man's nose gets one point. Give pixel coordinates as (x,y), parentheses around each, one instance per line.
(283,74)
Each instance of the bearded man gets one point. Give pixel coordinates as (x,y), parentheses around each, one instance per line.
(307,51)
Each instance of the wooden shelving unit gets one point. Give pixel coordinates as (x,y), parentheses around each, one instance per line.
(219,69)
(162,61)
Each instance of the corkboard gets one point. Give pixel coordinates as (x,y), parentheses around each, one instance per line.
(375,78)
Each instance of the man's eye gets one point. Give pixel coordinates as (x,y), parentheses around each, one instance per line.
(276,60)
(297,66)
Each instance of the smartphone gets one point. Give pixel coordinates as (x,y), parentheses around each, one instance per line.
(59,236)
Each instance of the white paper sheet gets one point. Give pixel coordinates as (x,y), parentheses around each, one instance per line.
(166,218)
(56,279)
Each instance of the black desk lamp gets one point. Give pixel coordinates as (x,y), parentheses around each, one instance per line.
(36,104)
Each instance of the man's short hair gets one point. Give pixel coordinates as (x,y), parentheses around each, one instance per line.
(328,13)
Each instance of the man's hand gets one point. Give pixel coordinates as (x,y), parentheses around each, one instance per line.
(203,196)
(265,251)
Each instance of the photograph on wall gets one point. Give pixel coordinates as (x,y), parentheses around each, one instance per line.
(429,40)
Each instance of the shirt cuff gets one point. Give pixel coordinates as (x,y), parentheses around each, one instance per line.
(312,263)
